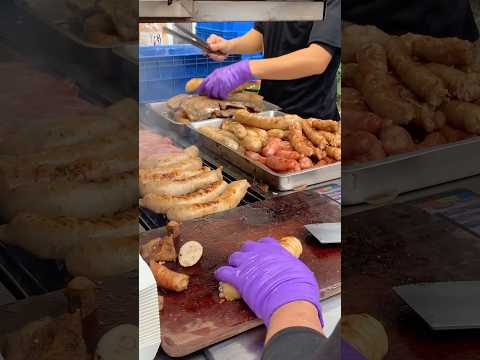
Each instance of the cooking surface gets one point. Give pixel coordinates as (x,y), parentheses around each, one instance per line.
(117,303)
(195,318)
(402,244)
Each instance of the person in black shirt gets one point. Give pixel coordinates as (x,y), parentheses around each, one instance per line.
(299,68)
(438,18)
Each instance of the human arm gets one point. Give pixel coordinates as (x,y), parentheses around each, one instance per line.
(312,60)
(297,313)
(249,43)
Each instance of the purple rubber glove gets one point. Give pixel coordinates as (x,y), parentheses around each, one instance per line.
(349,353)
(267,276)
(222,81)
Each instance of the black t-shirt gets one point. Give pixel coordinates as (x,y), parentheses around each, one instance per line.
(302,343)
(313,96)
(440,18)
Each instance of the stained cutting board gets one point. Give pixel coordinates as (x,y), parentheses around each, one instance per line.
(398,245)
(196,318)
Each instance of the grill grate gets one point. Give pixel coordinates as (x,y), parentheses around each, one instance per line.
(25,275)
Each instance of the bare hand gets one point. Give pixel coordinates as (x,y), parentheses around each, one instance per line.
(220,46)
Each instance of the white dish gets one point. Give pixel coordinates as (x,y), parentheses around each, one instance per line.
(326,233)
(149,318)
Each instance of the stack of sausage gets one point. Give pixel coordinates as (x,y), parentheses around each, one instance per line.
(403,93)
(69,190)
(283,143)
(179,186)
(105,21)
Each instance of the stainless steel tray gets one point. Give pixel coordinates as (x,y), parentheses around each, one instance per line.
(281,182)
(161,110)
(55,14)
(382,181)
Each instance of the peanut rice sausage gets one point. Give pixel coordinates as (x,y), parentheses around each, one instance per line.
(82,200)
(147,176)
(181,166)
(102,257)
(230,198)
(181,186)
(160,203)
(154,161)
(52,237)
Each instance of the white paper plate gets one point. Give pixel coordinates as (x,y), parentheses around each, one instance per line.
(444,305)
(149,318)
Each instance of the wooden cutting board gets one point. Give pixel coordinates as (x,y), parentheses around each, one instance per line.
(194,319)
(402,244)
(117,303)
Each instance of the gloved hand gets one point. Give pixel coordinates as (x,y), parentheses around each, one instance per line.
(222,81)
(267,276)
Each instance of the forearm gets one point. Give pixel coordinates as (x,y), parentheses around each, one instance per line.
(297,313)
(249,43)
(298,64)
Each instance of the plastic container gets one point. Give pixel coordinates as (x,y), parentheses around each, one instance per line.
(239,26)
(164,70)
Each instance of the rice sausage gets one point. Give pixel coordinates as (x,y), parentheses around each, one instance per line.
(103,257)
(82,200)
(153,161)
(181,186)
(52,237)
(160,203)
(230,198)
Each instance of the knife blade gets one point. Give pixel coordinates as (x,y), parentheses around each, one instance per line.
(326,233)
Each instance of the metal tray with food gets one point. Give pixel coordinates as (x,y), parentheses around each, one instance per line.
(57,15)
(162,111)
(383,180)
(278,181)
(71,40)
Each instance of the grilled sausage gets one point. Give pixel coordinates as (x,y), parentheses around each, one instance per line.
(103,257)
(52,237)
(154,161)
(181,186)
(82,200)
(160,203)
(230,198)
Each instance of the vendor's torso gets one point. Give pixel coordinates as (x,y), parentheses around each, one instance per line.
(313,96)
(440,18)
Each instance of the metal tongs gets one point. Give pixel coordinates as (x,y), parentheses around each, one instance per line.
(191,38)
